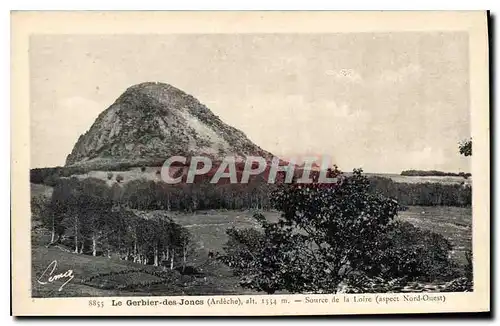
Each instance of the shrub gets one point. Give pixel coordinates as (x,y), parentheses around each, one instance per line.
(119,178)
(110,175)
(329,235)
(409,252)
(322,235)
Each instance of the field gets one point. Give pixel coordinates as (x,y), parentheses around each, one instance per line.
(423,179)
(208,228)
(100,276)
(152,173)
(454,223)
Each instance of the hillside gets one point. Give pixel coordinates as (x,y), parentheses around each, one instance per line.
(152,121)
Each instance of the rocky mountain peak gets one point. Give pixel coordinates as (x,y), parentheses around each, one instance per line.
(152,121)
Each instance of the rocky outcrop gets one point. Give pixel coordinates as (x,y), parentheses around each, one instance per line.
(152,121)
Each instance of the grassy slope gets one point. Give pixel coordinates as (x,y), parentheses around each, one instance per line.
(454,223)
(216,278)
(209,234)
(209,228)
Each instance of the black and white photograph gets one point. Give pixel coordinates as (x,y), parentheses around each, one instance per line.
(215,165)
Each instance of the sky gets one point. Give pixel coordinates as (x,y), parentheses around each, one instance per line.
(385,102)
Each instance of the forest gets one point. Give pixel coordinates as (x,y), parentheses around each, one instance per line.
(346,230)
(84,216)
(156,194)
(434,173)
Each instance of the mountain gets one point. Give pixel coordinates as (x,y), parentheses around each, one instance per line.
(152,121)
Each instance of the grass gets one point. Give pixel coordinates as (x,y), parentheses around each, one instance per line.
(102,276)
(209,234)
(208,229)
(423,179)
(454,223)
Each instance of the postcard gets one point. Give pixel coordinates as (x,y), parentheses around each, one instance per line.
(250,163)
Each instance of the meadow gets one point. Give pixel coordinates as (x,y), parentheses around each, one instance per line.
(209,227)
(101,276)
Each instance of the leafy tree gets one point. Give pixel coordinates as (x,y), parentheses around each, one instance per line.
(409,252)
(465,147)
(324,233)
(332,234)
(62,209)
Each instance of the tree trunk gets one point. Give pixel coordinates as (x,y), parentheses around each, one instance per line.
(94,246)
(135,251)
(76,236)
(172,260)
(81,248)
(53,230)
(156,256)
(184,254)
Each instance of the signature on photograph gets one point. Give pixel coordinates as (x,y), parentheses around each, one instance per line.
(49,275)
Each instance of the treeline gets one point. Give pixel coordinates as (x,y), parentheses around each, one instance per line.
(423,194)
(434,173)
(86,216)
(157,195)
(49,176)
(152,195)
(148,194)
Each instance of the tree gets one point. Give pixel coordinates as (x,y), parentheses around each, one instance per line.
(323,234)
(63,209)
(186,246)
(465,147)
(331,234)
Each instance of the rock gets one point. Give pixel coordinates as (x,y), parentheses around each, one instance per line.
(152,121)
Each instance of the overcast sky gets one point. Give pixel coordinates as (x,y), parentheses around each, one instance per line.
(384,102)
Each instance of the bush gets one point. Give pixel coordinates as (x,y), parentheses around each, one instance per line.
(415,254)
(119,178)
(322,235)
(110,175)
(329,235)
